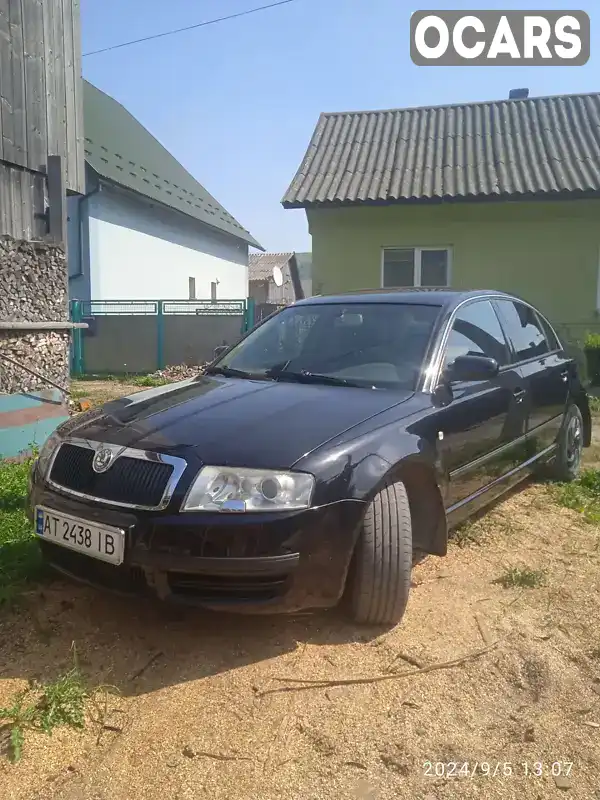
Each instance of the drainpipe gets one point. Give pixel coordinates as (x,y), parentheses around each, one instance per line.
(80,201)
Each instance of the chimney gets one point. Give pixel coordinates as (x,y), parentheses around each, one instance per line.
(518,94)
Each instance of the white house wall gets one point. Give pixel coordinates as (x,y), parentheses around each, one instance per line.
(146,251)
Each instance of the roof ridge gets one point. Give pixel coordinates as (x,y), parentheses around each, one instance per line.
(458,105)
(280,253)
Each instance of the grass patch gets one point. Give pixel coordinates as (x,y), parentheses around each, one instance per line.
(46,706)
(20,558)
(468,534)
(583,495)
(522,577)
(594,403)
(149,380)
(130,379)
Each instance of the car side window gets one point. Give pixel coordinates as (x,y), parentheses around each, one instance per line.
(550,335)
(524,329)
(477,331)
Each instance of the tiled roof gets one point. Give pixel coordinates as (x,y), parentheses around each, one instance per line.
(261,265)
(120,149)
(543,145)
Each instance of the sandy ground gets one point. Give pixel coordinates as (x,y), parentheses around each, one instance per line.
(201,712)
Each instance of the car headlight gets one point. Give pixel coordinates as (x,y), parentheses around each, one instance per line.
(238,489)
(47,451)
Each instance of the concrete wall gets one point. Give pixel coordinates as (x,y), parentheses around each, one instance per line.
(140,250)
(121,344)
(547,252)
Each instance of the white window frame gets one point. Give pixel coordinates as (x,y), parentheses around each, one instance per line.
(417,267)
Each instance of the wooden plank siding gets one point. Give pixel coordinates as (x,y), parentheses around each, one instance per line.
(6,90)
(22,197)
(41,111)
(18,80)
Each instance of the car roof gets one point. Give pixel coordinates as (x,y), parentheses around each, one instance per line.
(414,296)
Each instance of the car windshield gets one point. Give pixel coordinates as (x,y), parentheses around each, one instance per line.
(375,345)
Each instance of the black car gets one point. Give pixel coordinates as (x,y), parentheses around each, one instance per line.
(315,456)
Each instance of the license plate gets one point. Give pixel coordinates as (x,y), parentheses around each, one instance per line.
(97,541)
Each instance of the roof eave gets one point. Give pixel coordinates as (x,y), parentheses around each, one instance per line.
(438,200)
(249,239)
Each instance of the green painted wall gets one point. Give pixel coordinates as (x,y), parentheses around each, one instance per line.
(547,252)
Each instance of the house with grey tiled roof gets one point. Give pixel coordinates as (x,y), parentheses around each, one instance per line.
(145,227)
(502,194)
(279,278)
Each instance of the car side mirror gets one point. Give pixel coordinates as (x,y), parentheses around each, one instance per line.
(471,368)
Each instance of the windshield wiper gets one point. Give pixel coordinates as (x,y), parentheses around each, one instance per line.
(304,376)
(231,372)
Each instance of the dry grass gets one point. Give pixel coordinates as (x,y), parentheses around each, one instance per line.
(198,717)
(97,392)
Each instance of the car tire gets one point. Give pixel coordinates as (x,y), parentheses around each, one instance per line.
(567,463)
(383,559)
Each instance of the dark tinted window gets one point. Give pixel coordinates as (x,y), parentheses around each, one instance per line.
(550,335)
(524,329)
(476,331)
(370,344)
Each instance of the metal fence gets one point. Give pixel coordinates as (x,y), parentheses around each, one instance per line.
(141,336)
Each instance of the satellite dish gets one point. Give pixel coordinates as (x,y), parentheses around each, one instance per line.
(278,276)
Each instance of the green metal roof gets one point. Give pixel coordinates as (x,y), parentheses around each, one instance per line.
(120,149)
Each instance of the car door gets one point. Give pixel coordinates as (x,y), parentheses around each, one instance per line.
(482,427)
(544,366)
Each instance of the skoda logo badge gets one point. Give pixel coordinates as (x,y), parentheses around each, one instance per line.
(102,460)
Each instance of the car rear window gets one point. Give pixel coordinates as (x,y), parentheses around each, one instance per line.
(524,328)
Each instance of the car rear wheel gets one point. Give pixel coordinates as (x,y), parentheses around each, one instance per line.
(567,464)
(383,559)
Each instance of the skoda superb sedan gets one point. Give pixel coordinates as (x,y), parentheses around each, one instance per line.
(312,459)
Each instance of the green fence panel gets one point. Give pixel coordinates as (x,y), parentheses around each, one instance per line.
(160,331)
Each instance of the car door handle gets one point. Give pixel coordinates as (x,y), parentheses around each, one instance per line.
(565,376)
(519,394)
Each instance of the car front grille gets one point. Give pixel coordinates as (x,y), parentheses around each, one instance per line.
(222,589)
(129,481)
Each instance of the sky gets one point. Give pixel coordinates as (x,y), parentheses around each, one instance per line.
(237,102)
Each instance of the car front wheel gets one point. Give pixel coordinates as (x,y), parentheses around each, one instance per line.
(383,559)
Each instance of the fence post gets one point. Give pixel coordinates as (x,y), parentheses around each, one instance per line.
(248,321)
(160,335)
(77,333)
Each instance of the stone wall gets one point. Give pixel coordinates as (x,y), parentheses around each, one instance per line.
(33,288)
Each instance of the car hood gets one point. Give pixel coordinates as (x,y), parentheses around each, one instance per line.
(229,421)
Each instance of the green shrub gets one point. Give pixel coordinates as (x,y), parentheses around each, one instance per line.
(583,495)
(592,341)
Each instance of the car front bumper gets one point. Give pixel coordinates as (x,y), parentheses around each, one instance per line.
(249,563)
